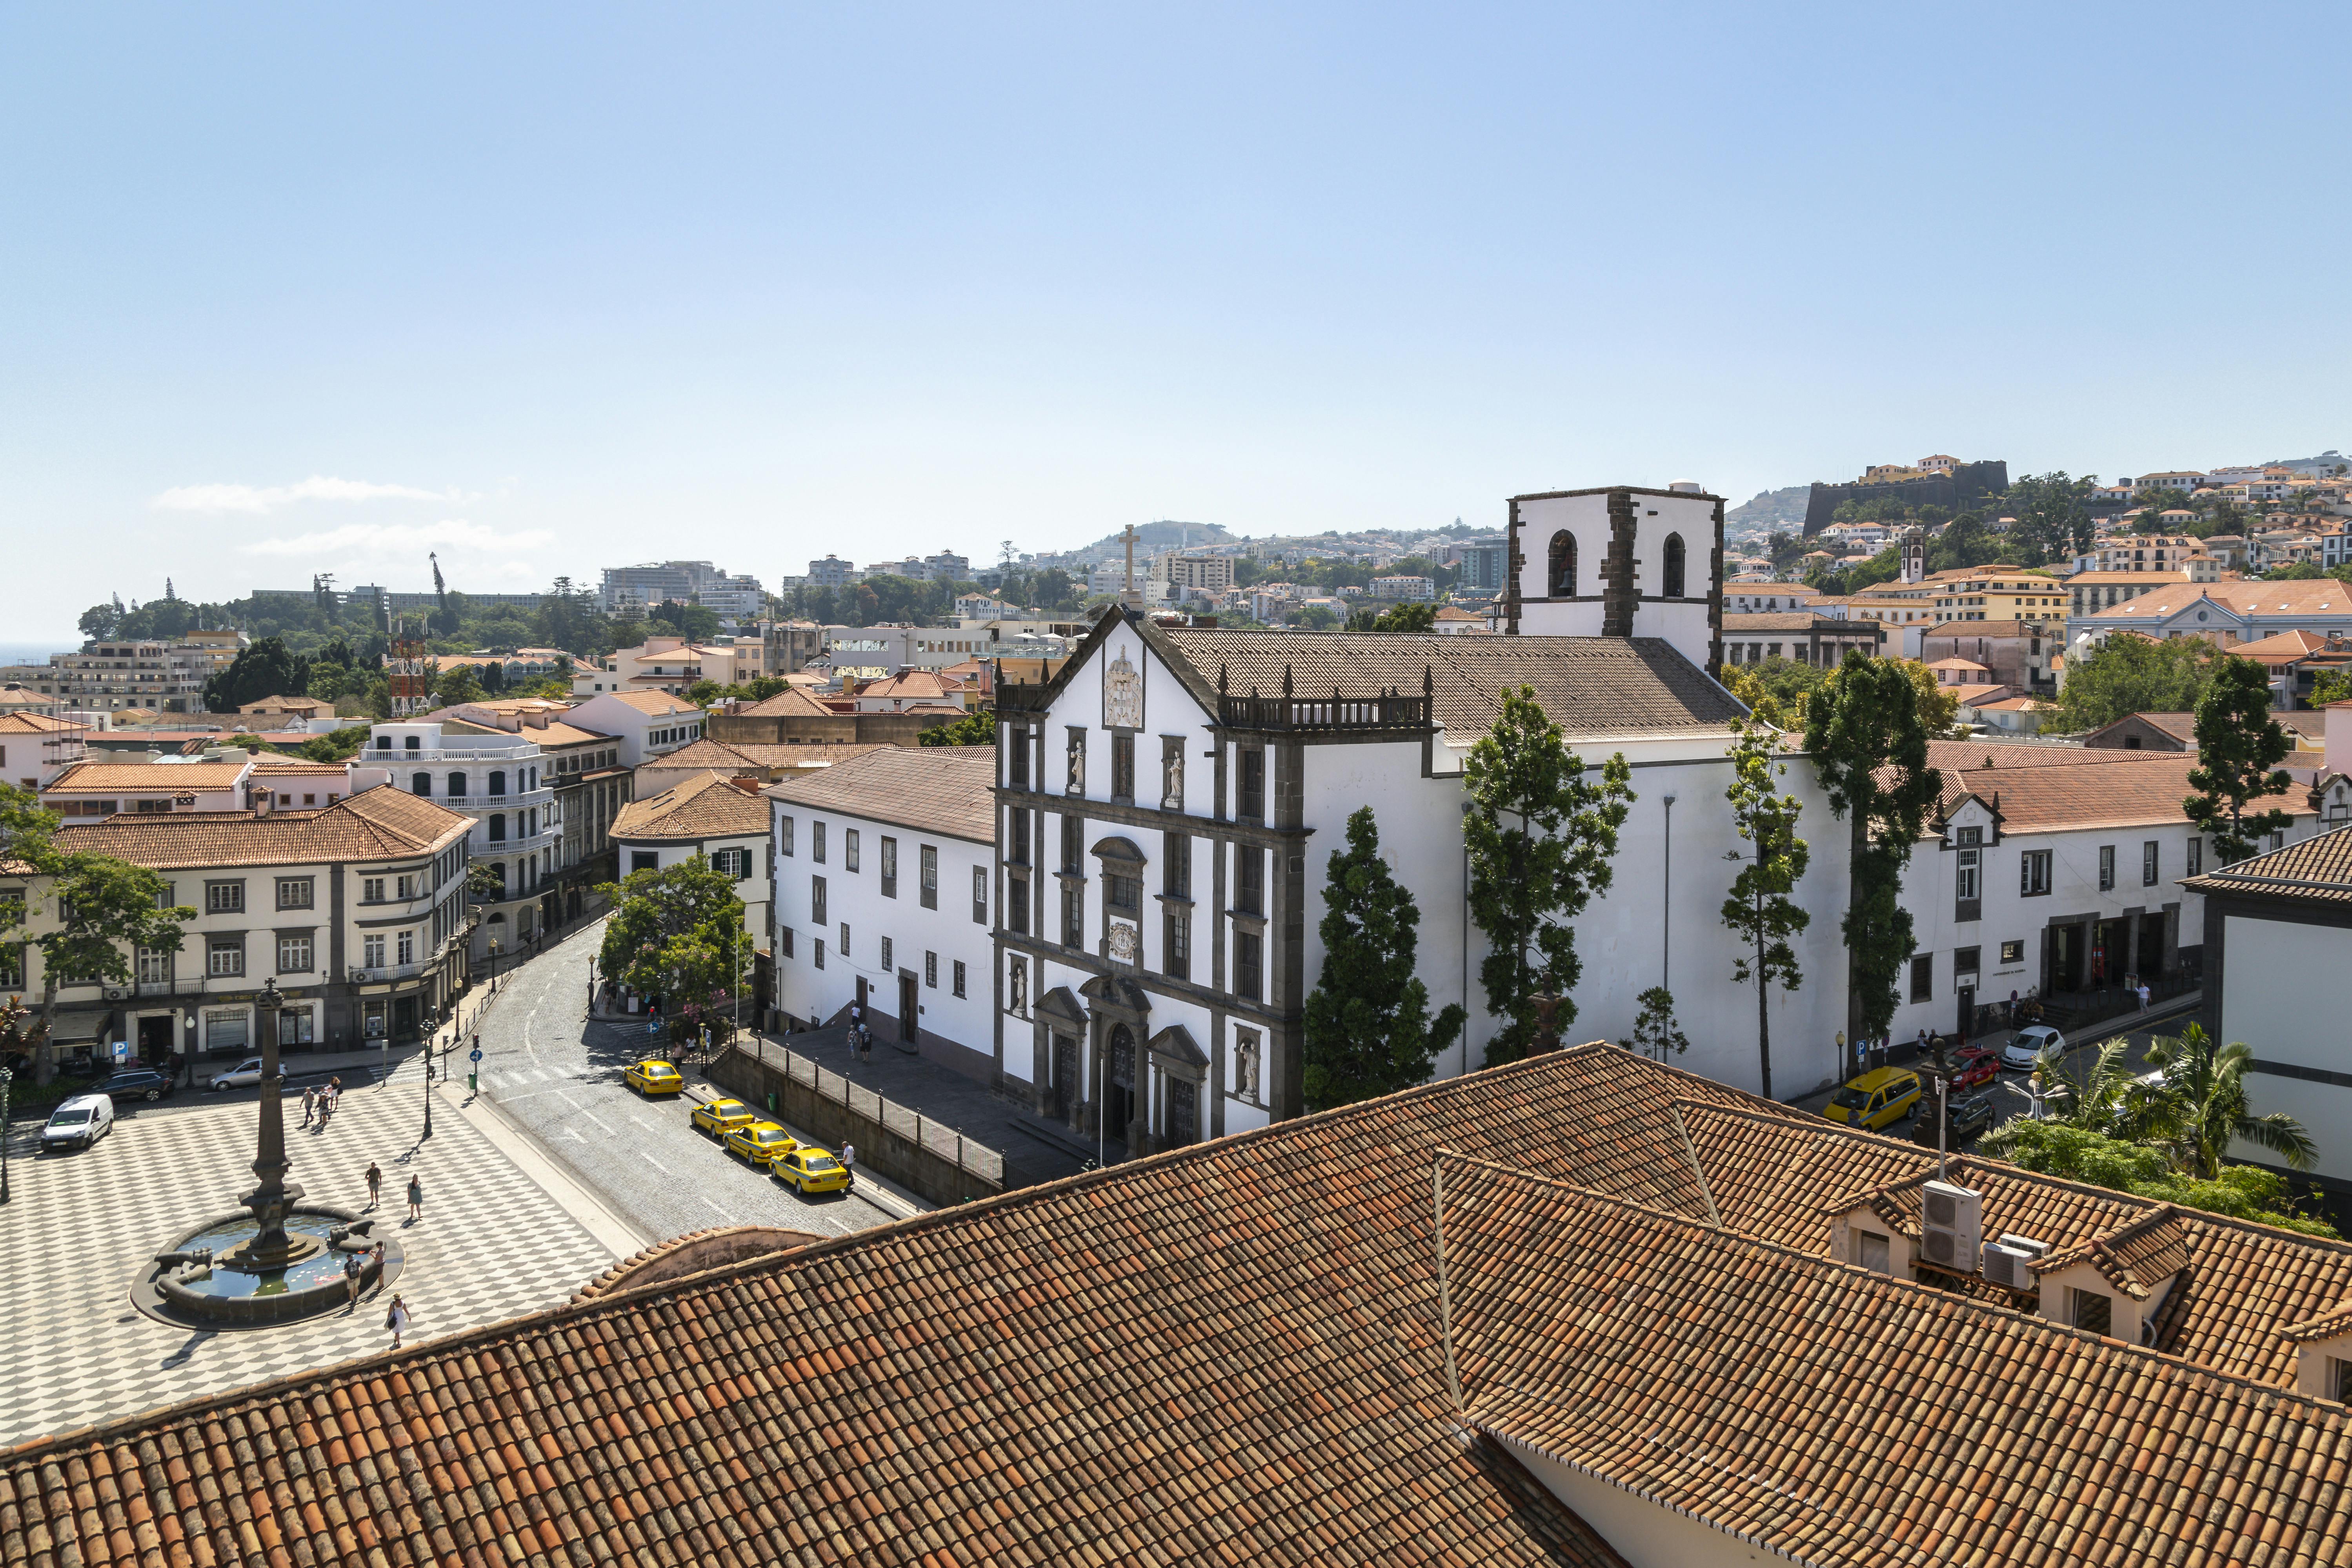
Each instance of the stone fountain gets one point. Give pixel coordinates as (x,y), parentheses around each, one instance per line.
(277,1260)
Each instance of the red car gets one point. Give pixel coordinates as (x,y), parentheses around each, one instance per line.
(1975,1065)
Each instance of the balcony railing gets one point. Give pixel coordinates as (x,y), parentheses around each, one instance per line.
(1387,711)
(363,975)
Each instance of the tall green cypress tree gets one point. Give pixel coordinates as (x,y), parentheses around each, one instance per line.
(1369,1032)
(1541,836)
(1760,907)
(2238,748)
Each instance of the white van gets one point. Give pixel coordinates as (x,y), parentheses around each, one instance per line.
(78,1123)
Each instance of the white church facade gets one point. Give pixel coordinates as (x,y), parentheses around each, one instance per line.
(1167,804)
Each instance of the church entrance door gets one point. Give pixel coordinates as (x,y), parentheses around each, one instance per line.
(1065,1076)
(1119,1092)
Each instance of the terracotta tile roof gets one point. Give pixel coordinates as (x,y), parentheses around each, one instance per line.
(555,732)
(2135,1258)
(1234,1353)
(726,755)
(660,704)
(1828,1414)
(2180,726)
(940,789)
(149,778)
(36,724)
(909,684)
(932,707)
(790,704)
(379,824)
(293,767)
(704,806)
(2115,789)
(2309,597)
(1797,621)
(2316,869)
(2327,1325)
(2105,578)
(1957,664)
(1589,686)
(1947,755)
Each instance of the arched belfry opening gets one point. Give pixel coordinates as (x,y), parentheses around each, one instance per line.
(1670,580)
(1560,578)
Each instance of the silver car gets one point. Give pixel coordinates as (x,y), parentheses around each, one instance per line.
(2031,1043)
(244,1074)
(78,1123)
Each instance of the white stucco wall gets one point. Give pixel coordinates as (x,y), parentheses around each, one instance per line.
(2281,981)
(1645,1533)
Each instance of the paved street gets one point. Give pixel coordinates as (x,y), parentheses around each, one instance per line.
(492,1244)
(556,1074)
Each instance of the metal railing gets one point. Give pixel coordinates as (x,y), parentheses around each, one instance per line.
(1387,711)
(938,1137)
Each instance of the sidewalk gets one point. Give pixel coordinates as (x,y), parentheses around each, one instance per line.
(1033,1151)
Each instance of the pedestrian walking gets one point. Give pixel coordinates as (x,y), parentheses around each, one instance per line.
(375,1185)
(396,1320)
(2143,995)
(849,1160)
(375,1261)
(416,1196)
(352,1279)
(310,1101)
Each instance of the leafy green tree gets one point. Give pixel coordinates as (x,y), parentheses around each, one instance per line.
(1868,739)
(978,728)
(2331,685)
(267,668)
(1759,907)
(1412,617)
(98,622)
(2053,515)
(2293,571)
(704,692)
(2131,675)
(1776,689)
(340,746)
(760,687)
(456,684)
(2082,1155)
(2238,748)
(1655,1034)
(1369,1032)
(1541,837)
(678,932)
(1317,618)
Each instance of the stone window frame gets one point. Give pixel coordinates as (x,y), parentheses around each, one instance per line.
(286,945)
(225,896)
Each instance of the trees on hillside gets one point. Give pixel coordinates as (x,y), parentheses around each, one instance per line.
(1369,1031)
(1759,907)
(972,730)
(2053,513)
(1540,834)
(1868,739)
(2238,748)
(267,668)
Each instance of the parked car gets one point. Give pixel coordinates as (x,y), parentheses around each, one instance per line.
(811,1169)
(78,1123)
(2025,1050)
(1975,1065)
(721,1117)
(1877,1099)
(760,1143)
(244,1074)
(1969,1116)
(138,1083)
(654,1078)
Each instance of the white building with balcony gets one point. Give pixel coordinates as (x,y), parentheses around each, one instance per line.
(497,778)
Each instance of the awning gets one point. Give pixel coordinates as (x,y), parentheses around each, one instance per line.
(74,1028)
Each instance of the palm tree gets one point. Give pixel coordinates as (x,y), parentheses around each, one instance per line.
(2200,1105)
(2105,1098)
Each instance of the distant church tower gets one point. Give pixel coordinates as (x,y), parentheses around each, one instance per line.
(1915,555)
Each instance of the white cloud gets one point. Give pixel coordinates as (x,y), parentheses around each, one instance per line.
(259,498)
(372,539)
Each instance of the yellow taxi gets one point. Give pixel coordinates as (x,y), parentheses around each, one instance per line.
(811,1169)
(1879,1098)
(654,1078)
(760,1144)
(721,1117)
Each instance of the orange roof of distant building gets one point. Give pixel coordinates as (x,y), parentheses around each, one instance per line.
(377,824)
(145,778)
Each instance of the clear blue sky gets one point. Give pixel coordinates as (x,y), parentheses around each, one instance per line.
(554,288)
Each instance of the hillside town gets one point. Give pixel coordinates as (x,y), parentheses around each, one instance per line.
(904,786)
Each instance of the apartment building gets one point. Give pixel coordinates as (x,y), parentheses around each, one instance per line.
(168,677)
(708,818)
(1405,590)
(591,784)
(356,909)
(498,780)
(1821,641)
(1190,574)
(635,589)
(2224,614)
(2012,653)
(35,748)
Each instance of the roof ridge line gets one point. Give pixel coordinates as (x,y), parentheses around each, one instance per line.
(2320,1407)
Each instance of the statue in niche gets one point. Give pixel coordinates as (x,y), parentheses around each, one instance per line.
(1172,779)
(1245,1068)
(1122,699)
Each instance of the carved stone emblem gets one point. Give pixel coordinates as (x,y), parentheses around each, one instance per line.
(1125,941)
(1122,695)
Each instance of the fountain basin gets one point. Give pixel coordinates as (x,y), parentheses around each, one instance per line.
(231,1294)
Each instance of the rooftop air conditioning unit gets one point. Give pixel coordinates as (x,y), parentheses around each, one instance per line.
(1951,1223)
(2007,1265)
(359,976)
(116,992)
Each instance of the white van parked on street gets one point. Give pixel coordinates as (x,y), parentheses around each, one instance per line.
(78,1123)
